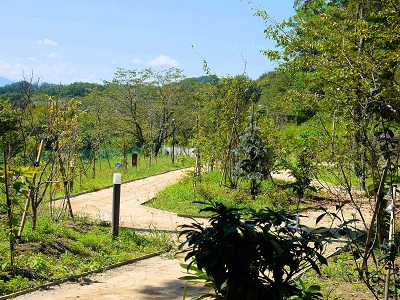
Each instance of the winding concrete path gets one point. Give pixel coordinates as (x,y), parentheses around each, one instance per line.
(153,278)
(133,194)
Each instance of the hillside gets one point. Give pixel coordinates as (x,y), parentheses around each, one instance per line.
(4,81)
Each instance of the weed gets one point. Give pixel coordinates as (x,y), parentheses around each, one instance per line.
(38,263)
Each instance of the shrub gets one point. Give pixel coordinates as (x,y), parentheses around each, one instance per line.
(253,254)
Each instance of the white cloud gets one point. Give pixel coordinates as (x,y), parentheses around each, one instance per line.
(12,71)
(55,71)
(137,61)
(54,55)
(163,60)
(47,42)
(46,72)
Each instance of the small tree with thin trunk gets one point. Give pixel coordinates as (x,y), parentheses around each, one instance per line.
(257,158)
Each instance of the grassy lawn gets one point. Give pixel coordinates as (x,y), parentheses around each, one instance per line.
(103,176)
(61,249)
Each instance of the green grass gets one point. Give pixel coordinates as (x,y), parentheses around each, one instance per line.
(181,197)
(103,176)
(339,279)
(56,250)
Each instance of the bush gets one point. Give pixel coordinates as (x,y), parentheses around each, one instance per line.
(252,254)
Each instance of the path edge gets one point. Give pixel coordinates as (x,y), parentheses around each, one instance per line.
(85,274)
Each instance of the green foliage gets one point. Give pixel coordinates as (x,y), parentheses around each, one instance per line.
(84,182)
(14,184)
(342,59)
(7,119)
(196,275)
(73,90)
(253,254)
(15,284)
(301,170)
(308,292)
(145,103)
(257,159)
(223,120)
(180,197)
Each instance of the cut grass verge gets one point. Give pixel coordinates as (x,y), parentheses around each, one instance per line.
(182,197)
(58,250)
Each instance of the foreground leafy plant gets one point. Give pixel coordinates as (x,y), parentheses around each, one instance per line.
(308,292)
(199,276)
(254,258)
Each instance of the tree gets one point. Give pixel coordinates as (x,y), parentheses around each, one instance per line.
(166,95)
(62,132)
(224,119)
(14,180)
(257,162)
(279,105)
(127,91)
(147,101)
(346,53)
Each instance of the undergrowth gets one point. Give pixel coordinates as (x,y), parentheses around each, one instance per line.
(339,279)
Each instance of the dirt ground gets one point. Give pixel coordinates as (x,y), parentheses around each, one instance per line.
(153,278)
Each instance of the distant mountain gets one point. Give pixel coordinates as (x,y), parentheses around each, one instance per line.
(4,81)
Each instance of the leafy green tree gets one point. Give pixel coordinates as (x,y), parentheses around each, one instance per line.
(166,97)
(280,104)
(146,102)
(62,142)
(273,86)
(14,180)
(126,92)
(224,120)
(62,131)
(301,170)
(345,55)
(98,127)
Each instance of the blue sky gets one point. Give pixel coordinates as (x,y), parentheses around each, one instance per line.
(64,41)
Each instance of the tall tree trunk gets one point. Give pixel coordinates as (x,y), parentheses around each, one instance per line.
(160,138)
